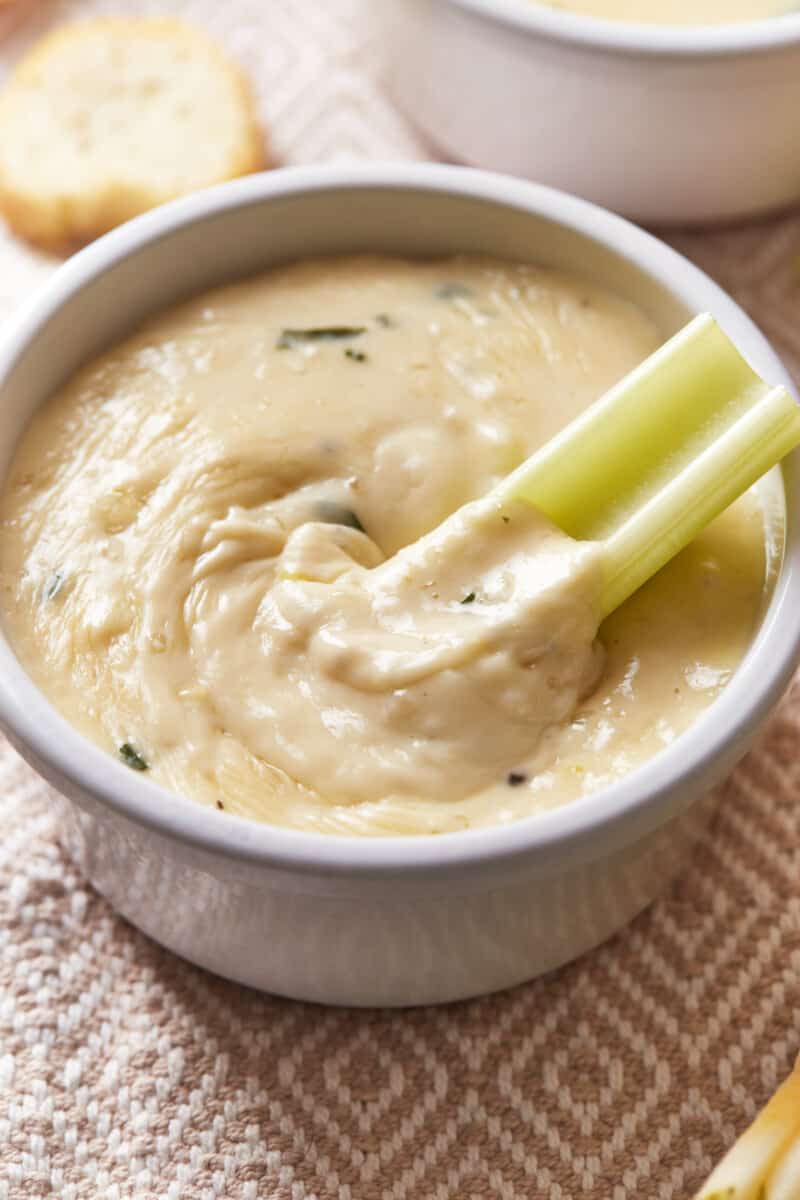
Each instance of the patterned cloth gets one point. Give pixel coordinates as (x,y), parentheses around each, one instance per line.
(127,1073)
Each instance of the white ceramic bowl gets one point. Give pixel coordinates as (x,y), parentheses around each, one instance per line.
(663,124)
(388,920)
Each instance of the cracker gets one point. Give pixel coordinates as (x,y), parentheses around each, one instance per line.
(105,119)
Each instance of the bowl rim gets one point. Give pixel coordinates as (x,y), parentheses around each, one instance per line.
(533,18)
(624,810)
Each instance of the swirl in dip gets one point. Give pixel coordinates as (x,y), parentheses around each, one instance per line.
(233,552)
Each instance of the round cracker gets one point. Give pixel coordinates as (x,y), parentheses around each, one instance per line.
(105,119)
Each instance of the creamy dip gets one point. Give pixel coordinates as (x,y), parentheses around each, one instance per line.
(233,552)
(678,12)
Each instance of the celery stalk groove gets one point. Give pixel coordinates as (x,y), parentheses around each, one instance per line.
(647,466)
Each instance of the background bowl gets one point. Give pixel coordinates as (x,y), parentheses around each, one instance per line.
(663,124)
(393,920)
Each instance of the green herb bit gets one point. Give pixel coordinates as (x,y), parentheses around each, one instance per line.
(320,333)
(355,355)
(337,514)
(454,291)
(468,599)
(132,758)
(384,320)
(54,585)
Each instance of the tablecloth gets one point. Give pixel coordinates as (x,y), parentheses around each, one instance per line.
(127,1073)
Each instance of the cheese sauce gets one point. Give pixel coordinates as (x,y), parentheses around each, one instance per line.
(678,12)
(233,553)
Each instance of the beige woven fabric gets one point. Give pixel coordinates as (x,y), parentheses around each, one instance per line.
(126,1073)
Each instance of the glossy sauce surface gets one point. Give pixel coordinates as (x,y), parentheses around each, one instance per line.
(199,553)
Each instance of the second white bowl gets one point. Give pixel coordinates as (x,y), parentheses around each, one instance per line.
(661,124)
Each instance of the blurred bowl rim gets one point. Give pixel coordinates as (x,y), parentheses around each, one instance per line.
(620,812)
(533,18)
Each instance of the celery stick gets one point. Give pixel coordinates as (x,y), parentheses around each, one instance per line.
(784,1182)
(744,1172)
(660,455)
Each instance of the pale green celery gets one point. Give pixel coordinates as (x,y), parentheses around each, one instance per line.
(660,455)
(754,1167)
(784,1182)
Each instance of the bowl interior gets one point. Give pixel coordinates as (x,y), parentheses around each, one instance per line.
(734,37)
(245,227)
(240,240)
